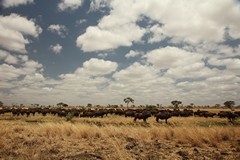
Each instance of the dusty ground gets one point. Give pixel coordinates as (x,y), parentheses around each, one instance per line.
(92,139)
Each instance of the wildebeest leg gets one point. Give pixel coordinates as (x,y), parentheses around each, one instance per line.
(145,120)
(166,120)
(157,119)
(135,119)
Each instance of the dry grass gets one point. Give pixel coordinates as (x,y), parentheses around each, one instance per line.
(116,137)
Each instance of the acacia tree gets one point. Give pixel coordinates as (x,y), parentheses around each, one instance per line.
(61,104)
(175,103)
(229,104)
(128,100)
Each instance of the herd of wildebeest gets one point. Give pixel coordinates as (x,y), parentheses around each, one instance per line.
(140,113)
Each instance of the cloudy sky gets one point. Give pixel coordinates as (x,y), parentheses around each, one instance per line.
(101,51)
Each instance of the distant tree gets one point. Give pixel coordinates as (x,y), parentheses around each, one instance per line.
(217,105)
(65,105)
(61,104)
(229,104)
(89,105)
(176,103)
(128,100)
(1,103)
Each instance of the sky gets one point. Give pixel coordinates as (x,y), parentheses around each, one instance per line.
(102,51)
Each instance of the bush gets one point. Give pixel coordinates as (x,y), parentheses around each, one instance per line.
(69,116)
(151,107)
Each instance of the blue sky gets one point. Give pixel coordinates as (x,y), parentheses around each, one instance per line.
(101,51)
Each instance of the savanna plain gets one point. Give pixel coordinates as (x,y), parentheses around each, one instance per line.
(116,137)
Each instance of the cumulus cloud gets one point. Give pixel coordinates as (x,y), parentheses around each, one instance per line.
(56,48)
(8,58)
(99,66)
(96,5)
(3,54)
(11,59)
(168,57)
(98,38)
(231,64)
(17,74)
(58,29)
(205,23)
(69,4)
(132,53)
(13,28)
(157,34)
(15,3)
(9,72)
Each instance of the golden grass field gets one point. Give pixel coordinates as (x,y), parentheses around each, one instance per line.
(116,137)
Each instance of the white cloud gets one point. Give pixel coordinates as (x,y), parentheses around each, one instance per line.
(3,54)
(135,73)
(15,3)
(11,59)
(96,66)
(132,53)
(23,58)
(7,57)
(157,34)
(69,4)
(168,57)
(96,5)
(13,28)
(214,50)
(34,78)
(192,71)
(179,63)
(205,23)
(231,64)
(58,29)
(9,72)
(97,38)
(56,48)
(31,67)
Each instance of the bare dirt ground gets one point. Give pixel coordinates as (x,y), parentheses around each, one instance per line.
(107,138)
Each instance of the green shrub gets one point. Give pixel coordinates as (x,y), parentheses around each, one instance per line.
(69,116)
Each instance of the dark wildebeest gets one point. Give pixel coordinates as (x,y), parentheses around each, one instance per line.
(205,114)
(163,115)
(142,115)
(231,116)
(130,113)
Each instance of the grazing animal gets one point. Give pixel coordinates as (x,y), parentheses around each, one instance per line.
(231,116)
(130,113)
(205,114)
(163,115)
(142,115)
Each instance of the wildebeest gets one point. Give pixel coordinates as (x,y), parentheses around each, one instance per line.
(163,115)
(231,116)
(130,113)
(144,115)
(205,114)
